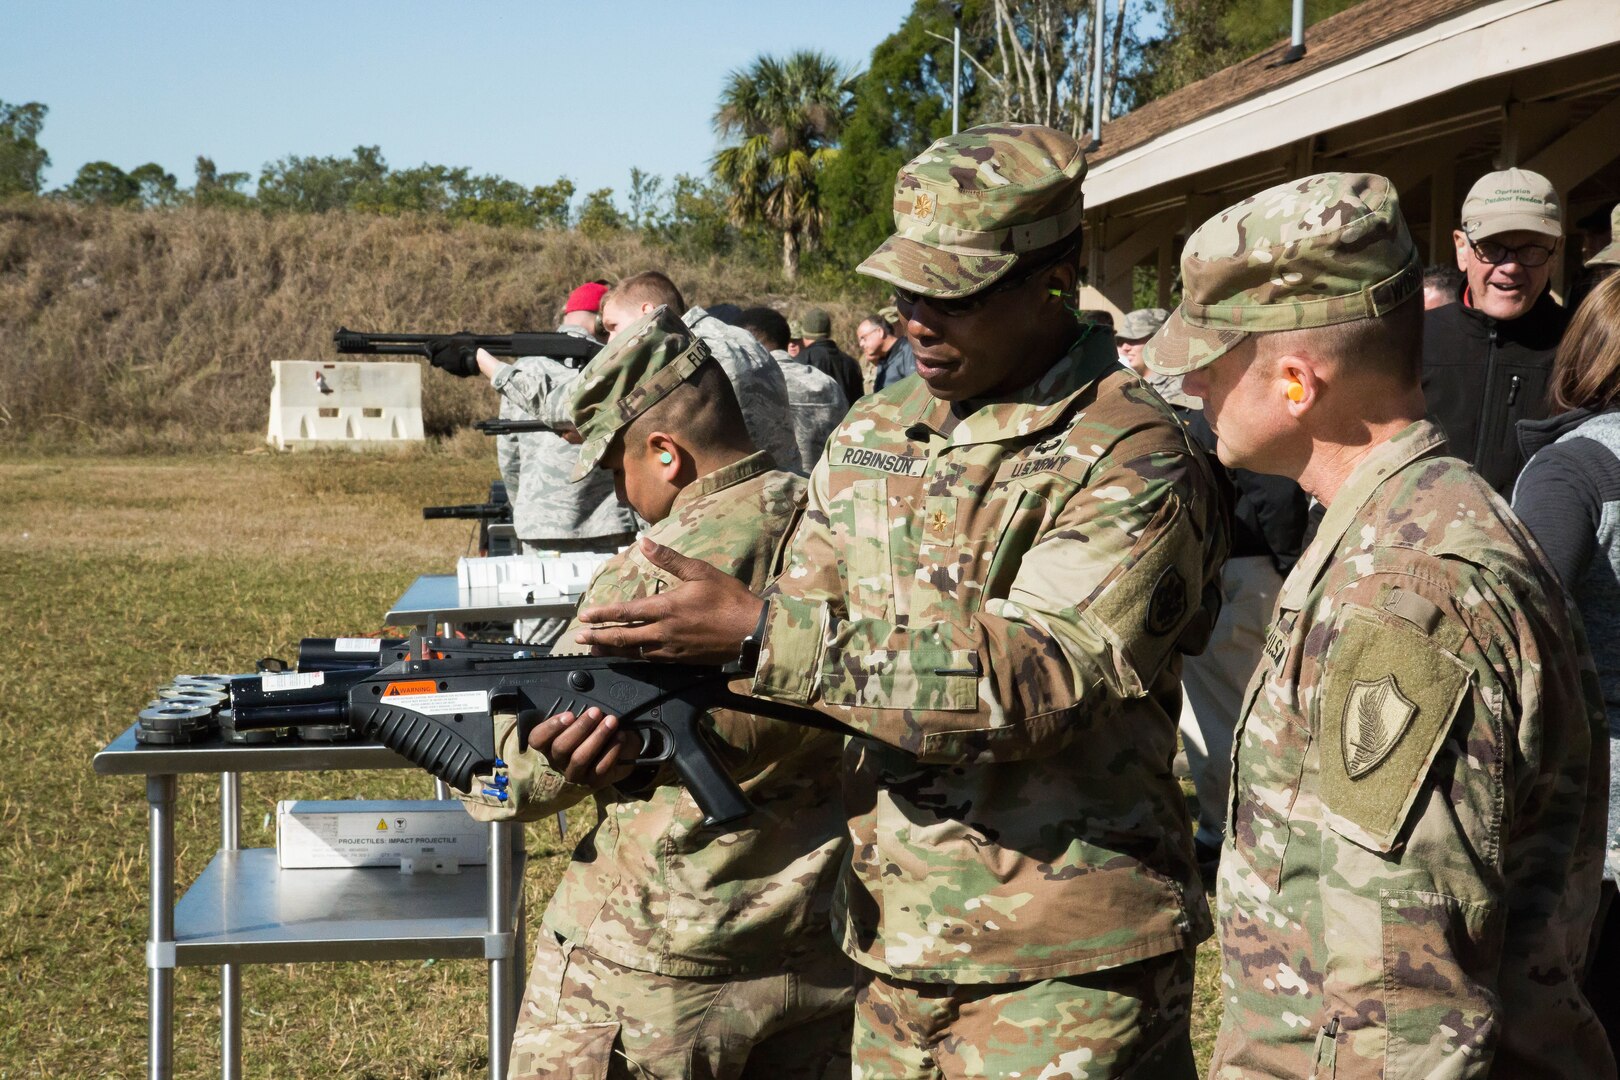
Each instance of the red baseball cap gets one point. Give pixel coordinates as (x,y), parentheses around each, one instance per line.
(588,297)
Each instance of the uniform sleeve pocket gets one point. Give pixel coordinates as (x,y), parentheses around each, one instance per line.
(1388,697)
(922,678)
(579,1051)
(869,568)
(1441,1020)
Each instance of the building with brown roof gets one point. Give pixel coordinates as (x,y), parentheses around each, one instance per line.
(1431,93)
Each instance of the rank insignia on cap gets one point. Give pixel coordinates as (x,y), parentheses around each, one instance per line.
(1376,715)
(922,208)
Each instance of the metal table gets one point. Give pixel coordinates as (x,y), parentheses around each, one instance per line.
(435,598)
(245,910)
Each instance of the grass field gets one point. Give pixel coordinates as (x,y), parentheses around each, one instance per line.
(120,327)
(119,572)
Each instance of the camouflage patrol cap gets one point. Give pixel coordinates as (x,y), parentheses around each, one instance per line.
(1609,256)
(1327,249)
(1142,323)
(967,207)
(638,369)
(816,324)
(1512,200)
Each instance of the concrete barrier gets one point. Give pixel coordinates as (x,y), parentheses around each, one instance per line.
(344,403)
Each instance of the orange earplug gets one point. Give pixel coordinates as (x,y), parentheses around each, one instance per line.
(1296,392)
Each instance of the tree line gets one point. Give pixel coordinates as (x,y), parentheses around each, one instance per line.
(810,149)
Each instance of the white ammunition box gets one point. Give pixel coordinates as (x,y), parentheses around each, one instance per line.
(526,579)
(370,832)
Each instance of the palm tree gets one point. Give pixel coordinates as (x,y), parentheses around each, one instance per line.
(787,116)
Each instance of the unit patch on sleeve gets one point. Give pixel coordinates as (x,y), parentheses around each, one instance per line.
(1376,715)
(1388,696)
(1168,605)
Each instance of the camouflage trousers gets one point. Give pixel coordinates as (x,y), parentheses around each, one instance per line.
(587,1018)
(1130,1021)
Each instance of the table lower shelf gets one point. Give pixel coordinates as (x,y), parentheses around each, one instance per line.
(244,909)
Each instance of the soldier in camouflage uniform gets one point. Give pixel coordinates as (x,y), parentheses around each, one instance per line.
(1000,562)
(760,387)
(550,514)
(755,378)
(1415,829)
(1133,333)
(1132,336)
(670,949)
(815,401)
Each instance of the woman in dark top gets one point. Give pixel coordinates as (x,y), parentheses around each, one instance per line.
(1569,496)
(1569,492)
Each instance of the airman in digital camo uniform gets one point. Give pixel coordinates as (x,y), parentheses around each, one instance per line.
(671,949)
(999,564)
(1415,832)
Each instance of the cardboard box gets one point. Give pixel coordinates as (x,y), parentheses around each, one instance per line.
(375,832)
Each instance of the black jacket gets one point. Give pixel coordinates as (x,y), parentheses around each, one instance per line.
(895,365)
(829,359)
(1482,376)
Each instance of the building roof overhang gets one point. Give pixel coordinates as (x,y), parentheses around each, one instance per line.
(1467,44)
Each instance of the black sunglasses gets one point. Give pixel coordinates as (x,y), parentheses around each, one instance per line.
(906,300)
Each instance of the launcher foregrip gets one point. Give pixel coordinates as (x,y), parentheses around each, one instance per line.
(439,713)
(455,753)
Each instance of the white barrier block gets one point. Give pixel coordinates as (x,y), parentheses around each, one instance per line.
(344,403)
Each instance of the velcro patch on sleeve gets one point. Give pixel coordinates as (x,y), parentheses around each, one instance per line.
(1388,697)
(1143,607)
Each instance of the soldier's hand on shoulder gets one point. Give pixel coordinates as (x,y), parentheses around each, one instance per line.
(702,620)
(589,749)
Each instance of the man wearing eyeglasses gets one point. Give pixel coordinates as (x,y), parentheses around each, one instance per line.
(888,353)
(1000,565)
(1486,359)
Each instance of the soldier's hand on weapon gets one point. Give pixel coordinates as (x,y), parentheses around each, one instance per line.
(589,749)
(703,620)
(455,354)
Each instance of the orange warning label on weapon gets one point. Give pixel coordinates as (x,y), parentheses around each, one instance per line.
(411,686)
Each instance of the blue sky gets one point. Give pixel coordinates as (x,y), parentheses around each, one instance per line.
(531,91)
